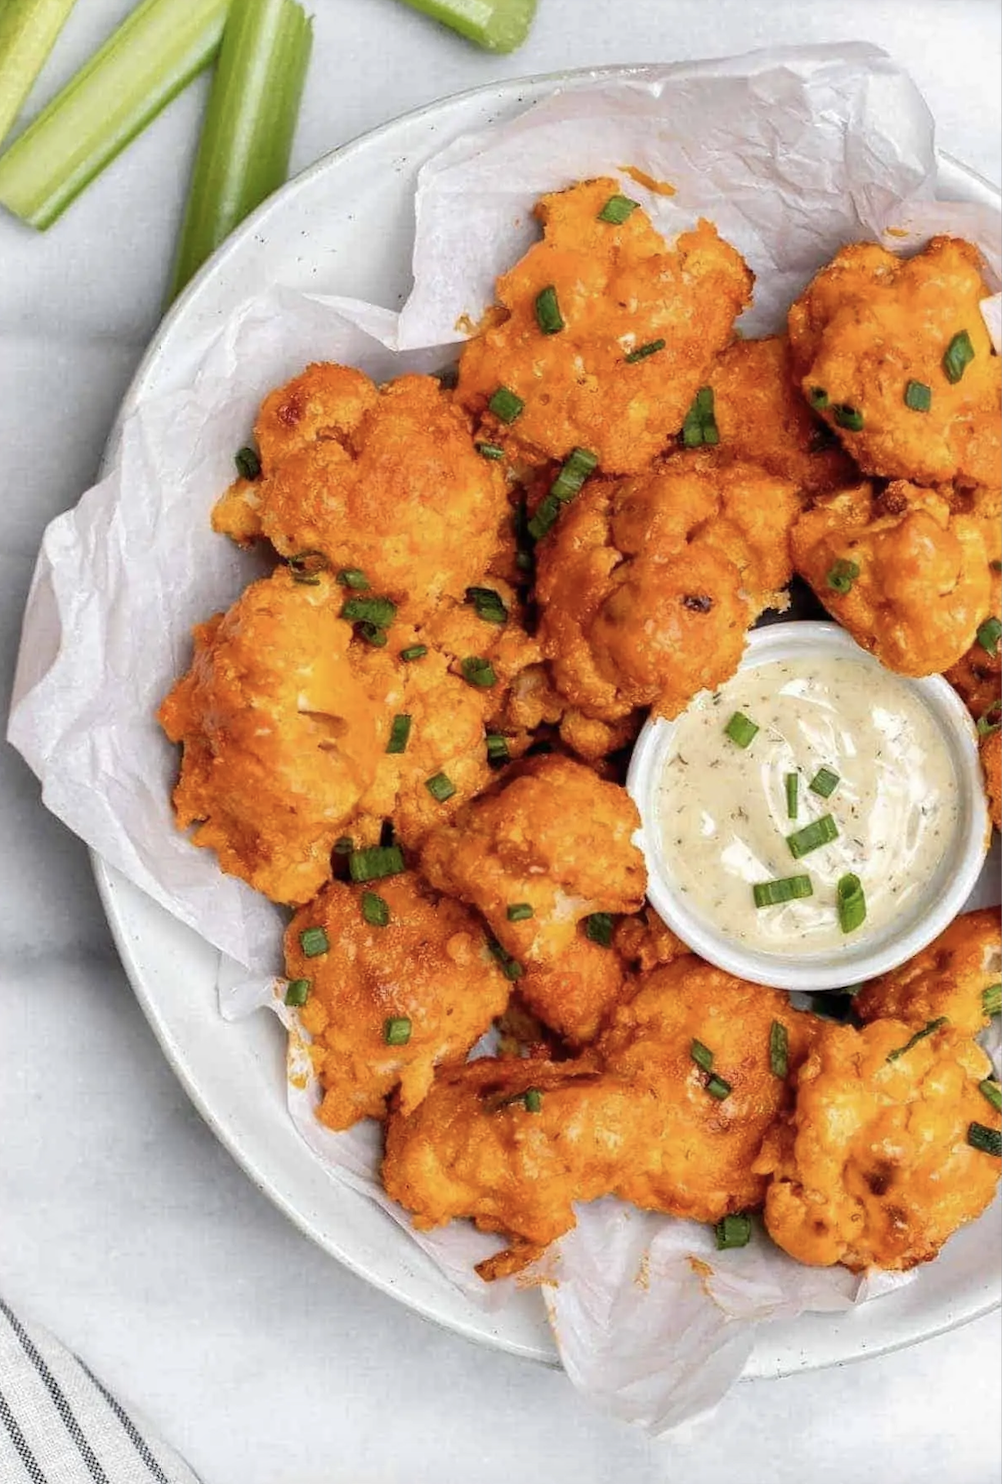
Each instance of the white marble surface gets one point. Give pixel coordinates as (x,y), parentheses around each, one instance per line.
(124,1226)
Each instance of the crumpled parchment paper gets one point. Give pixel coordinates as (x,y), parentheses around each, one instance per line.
(791,153)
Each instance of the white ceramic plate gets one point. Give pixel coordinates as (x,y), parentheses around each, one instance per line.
(345,227)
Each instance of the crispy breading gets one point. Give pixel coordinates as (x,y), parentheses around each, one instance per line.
(873,1168)
(619,288)
(553,836)
(646,943)
(870,329)
(916,571)
(764,418)
(699,1164)
(576,993)
(977,675)
(428,966)
(647,585)
(281,735)
(947,978)
(387,481)
(990,749)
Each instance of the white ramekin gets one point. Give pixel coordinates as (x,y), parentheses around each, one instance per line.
(950,882)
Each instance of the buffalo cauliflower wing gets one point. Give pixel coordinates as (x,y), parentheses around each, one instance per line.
(574,994)
(990,749)
(638,325)
(946,979)
(894,354)
(977,675)
(906,574)
(879,1162)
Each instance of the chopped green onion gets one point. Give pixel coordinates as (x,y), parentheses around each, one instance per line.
(397,1030)
(792,794)
(487,604)
(304,564)
(477,671)
(344,845)
(246,138)
(441,787)
(247,462)
(985,725)
(989,635)
(28,31)
(492,451)
(372,634)
(990,1089)
(785,889)
(354,578)
(928,1029)
(546,514)
(510,967)
(958,356)
(598,928)
(617,210)
(413,652)
(824,782)
(701,1055)
(533,1100)
(741,729)
(518,911)
(718,1088)
(375,909)
(400,733)
(842,575)
(643,351)
(497,750)
(700,425)
(505,405)
(848,417)
(918,396)
(297,992)
(819,832)
(314,941)
(851,902)
(548,316)
(732,1231)
(779,1049)
(496,25)
(991,999)
(818,398)
(153,55)
(379,612)
(576,468)
(375,862)
(988,1140)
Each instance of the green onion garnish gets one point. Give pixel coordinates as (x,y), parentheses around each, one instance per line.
(354,578)
(598,928)
(400,733)
(496,25)
(617,210)
(851,902)
(372,634)
(988,1140)
(792,794)
(487,604)
(785,889)
(505,405)
(991,999)
(413,652)
(297,992)
(643,351)
(491,451)
(700,426)
(779,1049)
(518,911)
(497,750)
(718,1088)
(546,514)
(440,786)
(741,729)
(824,782)
(344,845)
(477,671)
(580,462)
(989,635)
(985,724)
(314,941)
(375,862)
(732,1231)
(247,462)
(379,612)
(818,398)
(990,1089)
(928,1029)
(548,316)
(842,575)
(819,832)
(533,1100)
(701,1055)
(397,1030)
(848,417)
(918,396)
(510,967)
(375,910)
(958,356)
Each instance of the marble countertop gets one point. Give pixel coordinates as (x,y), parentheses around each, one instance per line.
(124,1227)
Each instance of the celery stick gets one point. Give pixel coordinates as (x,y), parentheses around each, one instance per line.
(28,30)
(155,52)
(243,154)
(498,25)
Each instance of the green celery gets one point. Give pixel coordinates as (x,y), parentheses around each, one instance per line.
(28,31)
(155,52)
(497,25)
(243,154)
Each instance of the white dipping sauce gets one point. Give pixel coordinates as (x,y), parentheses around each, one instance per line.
(722,809)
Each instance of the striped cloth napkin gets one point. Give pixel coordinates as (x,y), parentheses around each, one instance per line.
(59,1425)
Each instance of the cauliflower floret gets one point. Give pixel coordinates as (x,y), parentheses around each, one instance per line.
(977,675)
(575,994)
(948,978)
(990,749)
